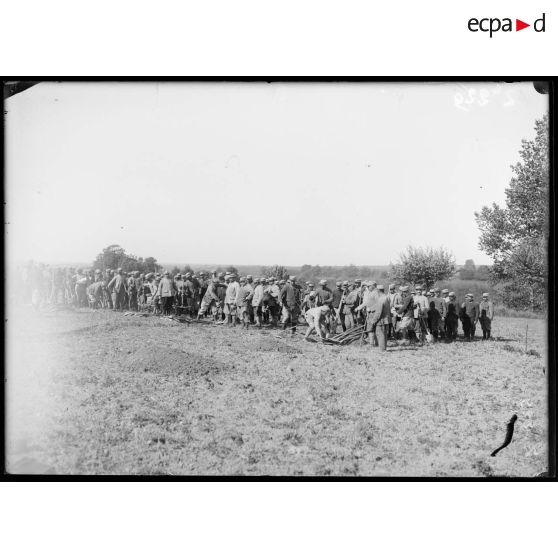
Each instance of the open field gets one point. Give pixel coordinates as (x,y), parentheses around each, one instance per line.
(96,392)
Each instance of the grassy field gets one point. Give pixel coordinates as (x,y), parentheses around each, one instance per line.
(95,392)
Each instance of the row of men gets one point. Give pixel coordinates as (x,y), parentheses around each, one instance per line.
(414,313)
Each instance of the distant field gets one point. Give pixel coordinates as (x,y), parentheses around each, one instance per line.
(93,392)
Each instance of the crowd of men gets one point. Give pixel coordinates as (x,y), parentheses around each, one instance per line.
(408,313)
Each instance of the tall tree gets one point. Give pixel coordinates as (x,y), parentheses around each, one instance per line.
(423,266)
(516,236)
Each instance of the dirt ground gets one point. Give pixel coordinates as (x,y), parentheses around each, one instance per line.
(97,392)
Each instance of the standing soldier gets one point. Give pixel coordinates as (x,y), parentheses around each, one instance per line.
(445,295)
(204,283)
(107,297)
(361,288)
(132,291)
(298,296)
(381,317)
(440,305)
(421,312)
(230,299)
(486,308)
(309,294)
(251,286)
(405,311)
(221,290)
(156,299)
(369,297)
(189,291)
(349,305)
(117,290)
(324,296)
(452,318)
(273,301)
(368,305)
(166,291)
(469,317)
(196,289)
(305,292)
(435,320)
(243,302)
(257,300)
(337,303)
(80,288)
(289,300)
(179,285)
(394,300)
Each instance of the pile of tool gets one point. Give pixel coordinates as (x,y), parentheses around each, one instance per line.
(348,336)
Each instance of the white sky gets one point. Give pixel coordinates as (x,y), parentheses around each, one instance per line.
(286,173)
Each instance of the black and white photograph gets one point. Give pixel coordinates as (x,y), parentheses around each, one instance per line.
(277,278)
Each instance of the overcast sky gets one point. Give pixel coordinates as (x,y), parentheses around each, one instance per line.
(328,174)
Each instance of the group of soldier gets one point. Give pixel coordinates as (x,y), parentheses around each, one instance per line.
(414,314)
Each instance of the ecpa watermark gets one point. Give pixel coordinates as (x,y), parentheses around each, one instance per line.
(493,25)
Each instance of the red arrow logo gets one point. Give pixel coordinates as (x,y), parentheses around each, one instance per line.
(519,25)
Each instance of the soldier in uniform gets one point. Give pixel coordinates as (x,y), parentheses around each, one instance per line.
(304,293)
(381,317)
(317,318)
(230,299)
(452,318)
(435,322)
(108,274)
(324,296)
(155,294)
(405,311)
(337,315)
(421,312)
(243,302)
(298,296)
(81,282)
(210,300)
(272,300)
(250,285)
(486,308)
(180,298)
(196,293)
(132,292)
(204,283)
(257,301)
(117,289)
(166,291)
(440,305)
(394,300)
(305,304)
(290,307)
(360,288)
(349,305)
(368,305)
(469,315)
